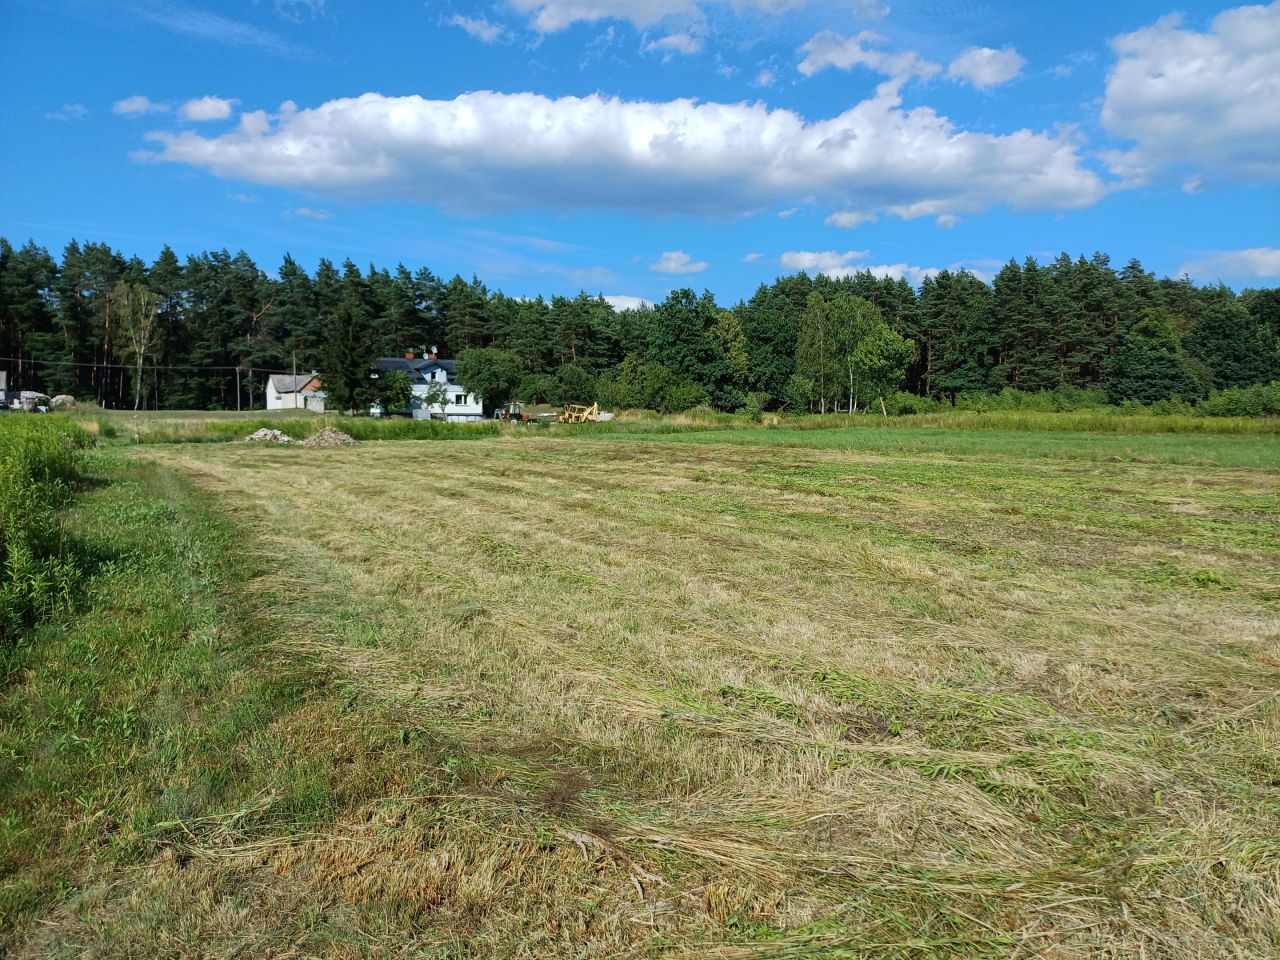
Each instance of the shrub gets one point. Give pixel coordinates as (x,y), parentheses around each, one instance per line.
(753,407)
(1260,400)
(900,404)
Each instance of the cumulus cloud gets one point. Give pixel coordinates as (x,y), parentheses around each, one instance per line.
(677,261)
(836,265)
(829,49)
(486,152)
(206,108)
(621,301)
(849,219)
(1254,263)
(986,68)
(830,262)
(138,104)
(548,16)
(675,43)
(752,257)
(1207,101)
(478,27)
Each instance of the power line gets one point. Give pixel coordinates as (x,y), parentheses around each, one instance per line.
(131,366)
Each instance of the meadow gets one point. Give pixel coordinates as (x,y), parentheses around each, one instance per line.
(658,689)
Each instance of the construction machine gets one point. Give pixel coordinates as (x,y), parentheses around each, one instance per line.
(579,413)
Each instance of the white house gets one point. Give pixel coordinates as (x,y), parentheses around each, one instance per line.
(437,395)
(287,392)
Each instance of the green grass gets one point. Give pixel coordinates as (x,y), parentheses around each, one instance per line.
(151,721)
(1226,450)
(740,693)
(37,471)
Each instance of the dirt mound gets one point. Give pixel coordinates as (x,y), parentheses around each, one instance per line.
(267,435)
(329,437)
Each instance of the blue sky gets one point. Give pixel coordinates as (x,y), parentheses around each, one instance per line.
(627,147)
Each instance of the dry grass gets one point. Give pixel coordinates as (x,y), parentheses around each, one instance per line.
(740,701)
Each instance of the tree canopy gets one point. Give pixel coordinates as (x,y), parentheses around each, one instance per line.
(222,323)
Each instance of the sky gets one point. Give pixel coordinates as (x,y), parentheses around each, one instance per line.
(629,147)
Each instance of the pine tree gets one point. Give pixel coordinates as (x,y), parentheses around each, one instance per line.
(1236,348)
(347,355)
(958,340)
(1150,364)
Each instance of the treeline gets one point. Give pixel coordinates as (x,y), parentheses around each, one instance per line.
(205,332)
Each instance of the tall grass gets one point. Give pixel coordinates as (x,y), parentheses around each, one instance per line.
(37,467)
(197,428)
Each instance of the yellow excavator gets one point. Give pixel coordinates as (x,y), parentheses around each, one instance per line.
(579,413)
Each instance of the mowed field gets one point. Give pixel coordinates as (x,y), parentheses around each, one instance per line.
(737,694)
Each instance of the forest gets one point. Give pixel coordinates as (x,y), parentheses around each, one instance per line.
(206,333)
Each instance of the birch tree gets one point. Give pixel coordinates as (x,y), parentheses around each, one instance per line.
(137,310)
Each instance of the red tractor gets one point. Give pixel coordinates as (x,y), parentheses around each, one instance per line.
(512,413)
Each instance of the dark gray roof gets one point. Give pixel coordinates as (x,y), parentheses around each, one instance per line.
(288,383)
(416,367)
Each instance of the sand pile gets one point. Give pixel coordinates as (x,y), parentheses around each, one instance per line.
(329,437)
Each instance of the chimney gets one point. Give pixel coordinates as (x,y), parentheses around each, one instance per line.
(408,354)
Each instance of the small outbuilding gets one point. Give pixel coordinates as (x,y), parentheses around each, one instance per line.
(302,392)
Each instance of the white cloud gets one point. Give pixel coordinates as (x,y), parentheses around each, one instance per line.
(947,221)
(548,16)
(1207,101)
(902,271)
(310,213)
(138,104)
(299,11)
(218,29)
(677,261)
(1253,264)
(830,262)
(68,111)
(675,43)
(206,108)
(1068,66)
(243,197)
(788,213)
(849,219)
(837,265)
(485,152)
(478,27)
(766,78)
(986,68)
(828,49)
(752,257)
(620,301)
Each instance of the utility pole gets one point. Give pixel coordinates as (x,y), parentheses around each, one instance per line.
(237,388)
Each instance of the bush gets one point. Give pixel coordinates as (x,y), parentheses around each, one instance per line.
(37,467)
(1260,400)
(753,407)
(1061,400)
(902,404)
